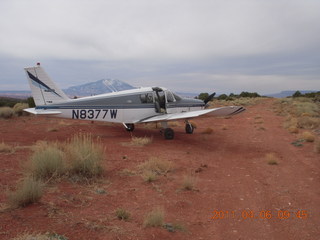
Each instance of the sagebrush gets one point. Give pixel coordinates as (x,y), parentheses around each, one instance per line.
(29,191)
(154,218)
(84,155)
(6,112)
(47,161)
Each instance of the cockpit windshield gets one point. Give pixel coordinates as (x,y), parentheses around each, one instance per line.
(170,97)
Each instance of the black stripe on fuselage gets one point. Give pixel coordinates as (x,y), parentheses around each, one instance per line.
(96,107)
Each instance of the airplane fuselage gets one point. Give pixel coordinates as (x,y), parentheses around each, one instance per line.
(129,106)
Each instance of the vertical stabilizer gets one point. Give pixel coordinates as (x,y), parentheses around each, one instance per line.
(43,89)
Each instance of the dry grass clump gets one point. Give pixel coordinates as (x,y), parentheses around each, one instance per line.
(207,131)
(5,148)
(189,182)
(293,129)
(141,141)
(157,165)
(308,136)
(18,109)
(304,107)
(28,192)
(122,214)
(301,113)
(243,101)
(84,156)
(39,236)
(6,112)
(47,161)
(155,218)
(154,167)
(271,159)
(149,176)
(308,122)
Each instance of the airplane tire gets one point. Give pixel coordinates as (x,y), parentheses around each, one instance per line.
(189,128)
(168,134)
(130,127)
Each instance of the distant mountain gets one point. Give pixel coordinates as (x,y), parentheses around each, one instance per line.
(98,87)
(16,94)
(284,94)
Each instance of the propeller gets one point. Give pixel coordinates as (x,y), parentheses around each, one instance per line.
(209,98)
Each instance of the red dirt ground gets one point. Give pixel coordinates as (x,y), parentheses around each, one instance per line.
(229,164)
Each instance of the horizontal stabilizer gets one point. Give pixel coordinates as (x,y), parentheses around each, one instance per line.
(214,112)
(41,112)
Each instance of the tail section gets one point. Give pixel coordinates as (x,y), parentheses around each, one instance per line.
(43,89)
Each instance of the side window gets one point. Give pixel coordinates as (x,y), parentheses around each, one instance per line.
(146,98)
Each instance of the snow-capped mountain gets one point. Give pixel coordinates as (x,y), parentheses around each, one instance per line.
(98,87)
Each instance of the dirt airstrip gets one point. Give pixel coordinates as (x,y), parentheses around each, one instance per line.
(237,194)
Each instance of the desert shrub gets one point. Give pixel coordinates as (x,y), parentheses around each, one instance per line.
(31,102)
(156,165)
(6,112)
(308,136)
(47,161)
(149,176)
(5,148)
(304,106)
(293,129)
(39,236)
(155,218)
(122,214)
(141,141)
(307,122)
(301,112)
(271,159)
(188,182)
(84,156)
(18,109)
(223,97)
(29,191)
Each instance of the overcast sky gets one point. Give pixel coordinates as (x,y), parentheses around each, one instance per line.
(185,45)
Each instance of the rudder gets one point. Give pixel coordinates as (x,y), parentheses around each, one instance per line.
(43,89)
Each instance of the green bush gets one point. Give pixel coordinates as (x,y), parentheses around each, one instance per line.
(28,192)
(31,102)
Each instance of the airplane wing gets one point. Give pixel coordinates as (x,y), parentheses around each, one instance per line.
(214,112)
(41,112)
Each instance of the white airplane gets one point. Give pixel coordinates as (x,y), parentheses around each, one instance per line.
(129,107)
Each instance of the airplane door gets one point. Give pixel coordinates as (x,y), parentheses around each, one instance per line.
(170,102)
(160,101)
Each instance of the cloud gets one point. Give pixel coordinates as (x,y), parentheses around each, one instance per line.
(151,40)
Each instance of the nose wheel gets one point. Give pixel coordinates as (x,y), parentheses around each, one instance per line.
(129,126)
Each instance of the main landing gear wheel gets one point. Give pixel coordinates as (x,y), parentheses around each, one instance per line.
(129,127)
(189,128)
(168,133)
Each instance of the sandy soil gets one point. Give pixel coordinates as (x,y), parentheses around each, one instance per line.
(235,187)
